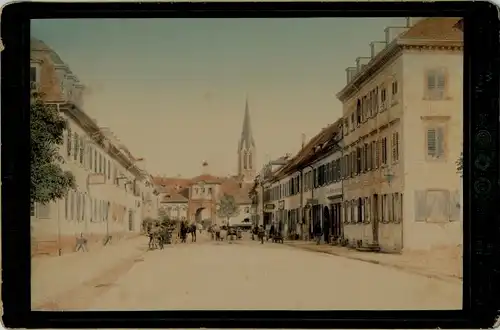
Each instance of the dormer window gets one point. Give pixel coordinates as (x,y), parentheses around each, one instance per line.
(167,196)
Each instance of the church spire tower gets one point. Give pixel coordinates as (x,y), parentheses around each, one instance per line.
(246,149)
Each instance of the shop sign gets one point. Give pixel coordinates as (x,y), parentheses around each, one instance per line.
(312,201)
(269,207)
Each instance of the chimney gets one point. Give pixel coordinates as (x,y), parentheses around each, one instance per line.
(376,47)
(303,140)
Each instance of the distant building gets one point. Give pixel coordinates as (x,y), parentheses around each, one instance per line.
(402,136)
(112,193)
(195,199)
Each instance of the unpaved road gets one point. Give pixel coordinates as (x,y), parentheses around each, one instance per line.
(247,275)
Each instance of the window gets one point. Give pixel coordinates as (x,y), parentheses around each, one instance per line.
(68,144)
(104,170)
(383,95)
(353,211)
(383,211)
(71,205)
(100,163)
(95,160)
(250,161)
(33,74)
(436,83)
(353,123)
(358,160)
(383,144)
(78,206)
(43,210)
(375,108)
(91,164)
(66,206)
(32,209)
(82,150)
(109,169)
(435,142)
(395,147)
(394,87)
(369,156)
(84,197)
(374,154)
(76,149)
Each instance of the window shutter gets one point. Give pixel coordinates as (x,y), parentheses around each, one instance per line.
(455,207)
(431,142)
(420,206)
(77,206)
(440,81)
(440,142)
(431,80)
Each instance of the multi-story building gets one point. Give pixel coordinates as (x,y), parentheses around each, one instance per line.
(402,111)
(310,186)
(107,200)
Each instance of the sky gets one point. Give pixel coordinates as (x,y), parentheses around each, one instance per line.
(174,90)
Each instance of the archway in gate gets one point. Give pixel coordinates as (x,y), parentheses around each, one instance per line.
(200,214)
(326,223)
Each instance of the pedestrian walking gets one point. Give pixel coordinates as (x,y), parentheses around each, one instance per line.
(317,233)
(261,234)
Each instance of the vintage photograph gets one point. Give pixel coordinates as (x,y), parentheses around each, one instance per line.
(246,164)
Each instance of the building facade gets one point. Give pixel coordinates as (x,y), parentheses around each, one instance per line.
(402,126)
(306,189)
(111,189)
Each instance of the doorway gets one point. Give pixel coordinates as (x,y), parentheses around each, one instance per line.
(375,218)
(326,224)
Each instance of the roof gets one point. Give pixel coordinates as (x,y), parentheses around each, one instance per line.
(435,28)
(174,197)
(38,45)
(246,140)
(431,31)
(171,182)
(317,146)
(207,178)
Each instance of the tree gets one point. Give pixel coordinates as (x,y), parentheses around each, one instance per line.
(460,164)
(48,181)
(227,207)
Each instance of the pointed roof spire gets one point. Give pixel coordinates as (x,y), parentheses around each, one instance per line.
(246,140)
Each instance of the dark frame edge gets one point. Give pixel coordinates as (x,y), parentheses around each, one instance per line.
(481,249)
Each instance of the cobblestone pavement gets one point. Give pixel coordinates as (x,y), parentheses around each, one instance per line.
(247,275)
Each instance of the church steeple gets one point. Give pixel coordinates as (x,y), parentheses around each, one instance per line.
(246,149)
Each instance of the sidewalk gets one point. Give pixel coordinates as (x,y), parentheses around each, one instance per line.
(444,264)
(54,276)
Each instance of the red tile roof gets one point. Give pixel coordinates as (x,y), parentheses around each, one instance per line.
(435,28)
(207,178)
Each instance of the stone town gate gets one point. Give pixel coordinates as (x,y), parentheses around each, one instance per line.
(199,205)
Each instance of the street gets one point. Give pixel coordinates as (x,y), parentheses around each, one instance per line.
(248,275)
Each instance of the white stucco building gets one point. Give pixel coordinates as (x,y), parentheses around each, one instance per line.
(402,110)
(112,193)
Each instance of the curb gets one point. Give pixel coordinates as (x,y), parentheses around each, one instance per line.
(442,277)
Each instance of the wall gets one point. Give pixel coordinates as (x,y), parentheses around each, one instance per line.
(420,172)
(86,210)
(381,125)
